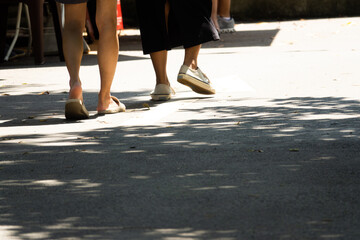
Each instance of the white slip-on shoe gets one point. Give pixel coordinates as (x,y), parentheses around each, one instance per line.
(162,92)
(114,107)
(195,79)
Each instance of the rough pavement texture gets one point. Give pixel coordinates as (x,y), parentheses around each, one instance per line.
(273,155)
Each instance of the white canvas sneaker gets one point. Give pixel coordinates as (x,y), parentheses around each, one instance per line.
(195,79)
(162,92)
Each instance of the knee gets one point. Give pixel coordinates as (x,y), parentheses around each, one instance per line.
(74,27)
(106,24)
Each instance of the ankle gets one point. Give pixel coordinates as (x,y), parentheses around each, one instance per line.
(75,91)
(163,81)
(226,18)
(74,82)
(104,96)
(193,64)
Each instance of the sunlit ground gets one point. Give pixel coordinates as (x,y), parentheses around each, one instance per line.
(273,155)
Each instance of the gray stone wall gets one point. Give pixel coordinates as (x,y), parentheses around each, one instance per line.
(254,10)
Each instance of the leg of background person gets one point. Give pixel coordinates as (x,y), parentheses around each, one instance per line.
(224,8)
(108,49)
(214,13)
(73,45)
(191,55)
(159,59)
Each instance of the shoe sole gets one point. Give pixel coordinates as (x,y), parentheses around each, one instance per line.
(74,110)
(160,97)
(227,30)
(196,85)
(120,108)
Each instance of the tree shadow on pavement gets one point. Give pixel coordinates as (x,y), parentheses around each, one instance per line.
(53,61)
(25,110)
(256,38)
(287,170)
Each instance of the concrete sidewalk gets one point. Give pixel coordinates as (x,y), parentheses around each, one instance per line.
(273,155)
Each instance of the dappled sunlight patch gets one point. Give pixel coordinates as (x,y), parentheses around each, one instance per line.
(6,120)
(292,129)
(213,188)
(85,183)
(205,144)
(281,135)
(55,140)
(227,187)
(332,116)
(164,135)
(49,183)
(9,231)
(15,162)
(89,151)
(349,133)
(83,186)
(63,144)
(60,226)
(133,151)
(41,183)
(328,139)
(205,173)
(265,115)
(35,235)
(265,127)
(190,234)
(190,175)
(135,135)
(66,223)
(177,142)
(140,177)
(323,158)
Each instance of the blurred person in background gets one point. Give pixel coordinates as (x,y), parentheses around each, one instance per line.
(221,16)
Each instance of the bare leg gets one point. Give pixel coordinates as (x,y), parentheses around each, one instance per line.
(73,45)
(214,13)
(159,59)
(224,8)
(191,55)
(108,49)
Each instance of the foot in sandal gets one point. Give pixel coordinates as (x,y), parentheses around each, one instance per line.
(74,106)
(114,106)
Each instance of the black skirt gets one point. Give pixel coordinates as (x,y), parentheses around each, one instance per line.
(189,24)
